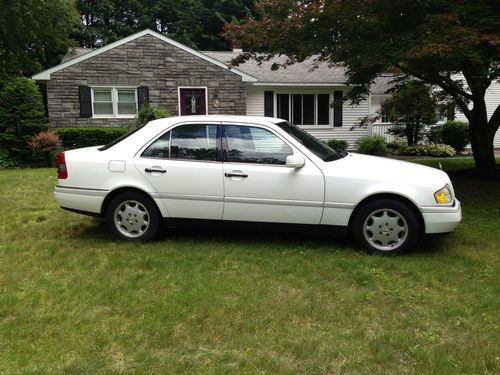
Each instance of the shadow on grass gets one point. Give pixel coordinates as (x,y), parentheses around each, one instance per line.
(322,241)
(96,229)
(430,245)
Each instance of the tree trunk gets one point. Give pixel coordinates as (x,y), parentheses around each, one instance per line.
(482,134)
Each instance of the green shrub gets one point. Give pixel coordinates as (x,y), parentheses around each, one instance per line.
(22,115)
(6,162)
(338,144)
(149,113)
(455,134)
(397,147)
(372,145)
(432,149)
(85,137)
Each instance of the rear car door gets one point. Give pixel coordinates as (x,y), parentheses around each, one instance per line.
(257,184)
(184,167)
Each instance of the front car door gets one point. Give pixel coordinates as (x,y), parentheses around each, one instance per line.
(257,184)
(184,167)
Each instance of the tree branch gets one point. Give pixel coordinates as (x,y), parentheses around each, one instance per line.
(457,94)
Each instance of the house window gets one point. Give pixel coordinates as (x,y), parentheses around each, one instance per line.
(114,102)
(304,109)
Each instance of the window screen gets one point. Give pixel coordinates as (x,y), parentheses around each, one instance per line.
(103,102)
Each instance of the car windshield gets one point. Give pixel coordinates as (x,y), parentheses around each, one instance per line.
(318,148)
(119,139)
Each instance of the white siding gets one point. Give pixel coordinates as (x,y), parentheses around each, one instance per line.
(255,101)
(492,102)
(350,114)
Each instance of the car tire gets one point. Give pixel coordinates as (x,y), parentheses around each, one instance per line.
(133,216)
(386,227)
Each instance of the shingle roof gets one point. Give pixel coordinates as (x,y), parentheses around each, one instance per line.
(307,72)
(74,52)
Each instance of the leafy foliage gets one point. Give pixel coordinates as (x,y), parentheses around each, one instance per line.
(372,145)
(453,45)
(150,113)
(195,23)
(34,34)
(410,109)
(22,115)
(45,146)
(338,144)
(86,137)
(431,149)
(455,134)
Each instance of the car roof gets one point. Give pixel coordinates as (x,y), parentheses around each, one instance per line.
(215,118)
(155,127)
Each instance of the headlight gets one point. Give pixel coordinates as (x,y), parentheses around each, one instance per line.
(443,196)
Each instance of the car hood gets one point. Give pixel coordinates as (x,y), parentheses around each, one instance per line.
(378,168)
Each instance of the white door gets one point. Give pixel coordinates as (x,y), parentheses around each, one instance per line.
(183,167)
(259,187)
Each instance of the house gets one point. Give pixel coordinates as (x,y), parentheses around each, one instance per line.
(106,86)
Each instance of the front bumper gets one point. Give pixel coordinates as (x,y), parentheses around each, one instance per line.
(442,219)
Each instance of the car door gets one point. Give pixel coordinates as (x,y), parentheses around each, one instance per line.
(258,186)
(184,167)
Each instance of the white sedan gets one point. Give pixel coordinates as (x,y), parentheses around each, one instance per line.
(253,169)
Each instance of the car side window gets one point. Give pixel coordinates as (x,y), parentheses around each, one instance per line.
(249,144)
(159,148)
(194,142)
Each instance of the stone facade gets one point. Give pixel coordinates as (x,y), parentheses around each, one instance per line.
(145,61)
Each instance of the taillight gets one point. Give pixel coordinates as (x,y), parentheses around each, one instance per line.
(62,171)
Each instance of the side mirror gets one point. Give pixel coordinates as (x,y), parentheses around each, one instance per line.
(295,161)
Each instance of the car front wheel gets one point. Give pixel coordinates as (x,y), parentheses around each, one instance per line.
(386,227)
(133,216)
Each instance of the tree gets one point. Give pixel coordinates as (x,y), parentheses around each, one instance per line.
(34,34)
(196,23)
(410,108)
(453,45)
(22,115)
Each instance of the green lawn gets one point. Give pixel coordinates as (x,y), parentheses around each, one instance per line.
(75,300)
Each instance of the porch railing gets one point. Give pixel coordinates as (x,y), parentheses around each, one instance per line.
(382,130)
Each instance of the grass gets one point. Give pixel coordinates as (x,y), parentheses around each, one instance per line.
(74,300)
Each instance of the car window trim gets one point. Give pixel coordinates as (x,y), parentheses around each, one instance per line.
(225,146)
(218,151)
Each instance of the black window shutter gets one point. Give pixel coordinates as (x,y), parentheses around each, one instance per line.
(337,108)
(269,103)
(85,101)
(142,96)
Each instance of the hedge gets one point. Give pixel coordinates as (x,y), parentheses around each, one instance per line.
(85,137)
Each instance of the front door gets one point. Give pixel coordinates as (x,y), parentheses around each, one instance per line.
(258,186)
(183,167)
(192,101)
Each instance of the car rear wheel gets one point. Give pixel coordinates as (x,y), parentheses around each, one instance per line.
(133,216)
(386,227)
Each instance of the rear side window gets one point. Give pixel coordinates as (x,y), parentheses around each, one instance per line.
(248,144)
(186,142)
(159,148)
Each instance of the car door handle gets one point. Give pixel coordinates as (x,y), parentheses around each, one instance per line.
(154,170)
(242,175)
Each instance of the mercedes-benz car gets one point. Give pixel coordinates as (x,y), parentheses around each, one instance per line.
(253,169)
